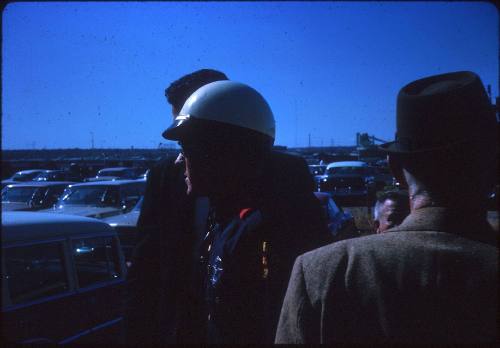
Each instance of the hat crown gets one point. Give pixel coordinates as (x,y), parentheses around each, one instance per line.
(441,110)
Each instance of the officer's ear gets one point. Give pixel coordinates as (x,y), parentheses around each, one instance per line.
(396,166)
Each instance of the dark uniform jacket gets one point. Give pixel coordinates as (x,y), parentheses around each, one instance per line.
(251,254)
(433,279)
(166,298)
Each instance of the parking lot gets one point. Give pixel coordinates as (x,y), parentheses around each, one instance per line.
(112,196)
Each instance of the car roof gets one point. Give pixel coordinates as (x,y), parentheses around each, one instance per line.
(28,171)
(347,164)
(41,183)
(34,226)
(53,170)
(114,168)
(108,183)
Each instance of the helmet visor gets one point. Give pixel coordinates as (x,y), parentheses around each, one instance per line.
(174,132)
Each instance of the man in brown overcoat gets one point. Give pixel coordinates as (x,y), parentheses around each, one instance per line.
(434,278)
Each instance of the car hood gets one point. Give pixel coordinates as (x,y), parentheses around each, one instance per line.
(128,219)
(86,210)
(12,206)
(343,176)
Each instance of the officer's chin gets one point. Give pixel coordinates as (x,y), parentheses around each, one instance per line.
(194,189)
(189,187)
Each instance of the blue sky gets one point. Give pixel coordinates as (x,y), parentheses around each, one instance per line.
(72,71)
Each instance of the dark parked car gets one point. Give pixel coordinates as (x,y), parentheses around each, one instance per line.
(383,177)
(63,280)
(349,182)
(100,199)
(58,175)
(317,169)
(340,223)
(32,195)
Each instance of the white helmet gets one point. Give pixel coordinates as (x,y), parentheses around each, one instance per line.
(226,102)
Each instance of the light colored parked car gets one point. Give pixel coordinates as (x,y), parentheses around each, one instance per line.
(32,195)
(126,227)
(63,280)
(100,199)
(127,219)
(116,173)
(22,176)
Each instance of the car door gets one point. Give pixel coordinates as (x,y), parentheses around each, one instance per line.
(100,279)
(41,306)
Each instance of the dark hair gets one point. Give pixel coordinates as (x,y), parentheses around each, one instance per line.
(180,90)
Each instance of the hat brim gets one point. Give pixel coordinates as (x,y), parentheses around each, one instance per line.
(393,146)
(397,147)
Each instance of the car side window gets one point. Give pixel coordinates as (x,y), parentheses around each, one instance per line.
(53,194)
(96,260)
(35,271)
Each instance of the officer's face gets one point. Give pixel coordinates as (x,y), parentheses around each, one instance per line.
(203,168)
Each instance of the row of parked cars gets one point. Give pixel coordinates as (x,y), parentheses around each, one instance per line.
(63,262)
(44,175)
(92,199)
(65,250)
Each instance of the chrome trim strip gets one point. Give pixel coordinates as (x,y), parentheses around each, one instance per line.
(65,294)
(95,328)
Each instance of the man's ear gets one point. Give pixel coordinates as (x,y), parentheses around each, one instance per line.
(395,165)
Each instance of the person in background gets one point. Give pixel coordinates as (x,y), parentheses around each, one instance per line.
(436,279)
(162,305)
(390,209)
(263,211)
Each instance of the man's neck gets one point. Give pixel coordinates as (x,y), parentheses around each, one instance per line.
(421,198)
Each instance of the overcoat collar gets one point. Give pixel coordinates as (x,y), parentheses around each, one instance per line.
(440,219)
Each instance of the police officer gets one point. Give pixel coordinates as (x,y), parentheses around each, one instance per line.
(259,223)
(163,306)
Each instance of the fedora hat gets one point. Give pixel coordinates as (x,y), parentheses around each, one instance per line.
(441,111)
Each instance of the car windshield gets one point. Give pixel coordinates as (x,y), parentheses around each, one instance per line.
(47,176)
(90,195)
(138,205)
(18,194)
(346,170)
(24,176)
